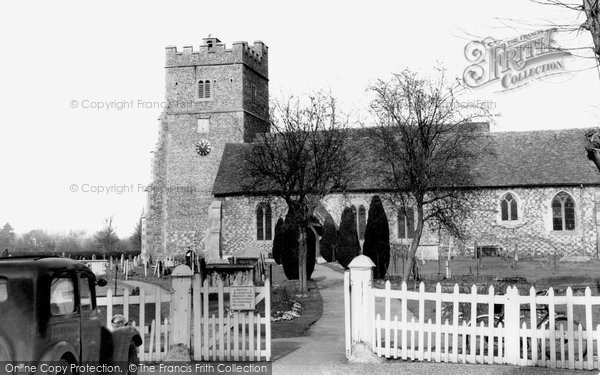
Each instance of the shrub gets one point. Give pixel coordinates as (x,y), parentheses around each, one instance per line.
(278,241)
(329,239)
(348,246)
(289,254)
(377,238)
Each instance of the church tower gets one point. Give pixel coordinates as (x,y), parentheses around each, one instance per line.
(214,96)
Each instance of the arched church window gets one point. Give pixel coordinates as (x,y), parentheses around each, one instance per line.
(508,208)
(563,212)
(264,230)
(362,222)
(204,89)
(200,89)
(207,92)
(268,221)
(406,223)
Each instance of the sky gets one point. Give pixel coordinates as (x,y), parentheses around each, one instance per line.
(82,83)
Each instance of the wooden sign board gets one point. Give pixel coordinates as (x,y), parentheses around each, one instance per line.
(241,297)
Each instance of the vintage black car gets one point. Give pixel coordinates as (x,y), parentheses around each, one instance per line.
(48,314)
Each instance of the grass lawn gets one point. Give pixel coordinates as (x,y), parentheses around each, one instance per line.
(537,271)
(283,295)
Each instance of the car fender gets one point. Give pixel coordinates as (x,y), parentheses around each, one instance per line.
(121,338)
(6,353)
(58,351)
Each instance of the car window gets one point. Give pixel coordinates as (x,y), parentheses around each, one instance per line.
(3,290)
(85,292)
(62,296)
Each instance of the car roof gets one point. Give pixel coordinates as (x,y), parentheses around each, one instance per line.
(41,264)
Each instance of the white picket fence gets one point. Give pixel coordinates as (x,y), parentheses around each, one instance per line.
(155,333)
(382,319)
(230,335)
(213,331)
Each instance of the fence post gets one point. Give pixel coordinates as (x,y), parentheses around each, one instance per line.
(180,314)
(512,319)
(361,296)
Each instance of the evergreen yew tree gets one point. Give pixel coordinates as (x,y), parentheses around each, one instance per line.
(329,240)
(348,246)
(278,241)
(377,238)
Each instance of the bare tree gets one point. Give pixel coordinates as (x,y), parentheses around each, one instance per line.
(107,239)
(302,159)
(425,142)
(135,240)
(7,237)
(590,9)
(36,241)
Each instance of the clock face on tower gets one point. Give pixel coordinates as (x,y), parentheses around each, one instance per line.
(203,147)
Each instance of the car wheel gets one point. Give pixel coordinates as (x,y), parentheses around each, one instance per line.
(132,358)
(64,363)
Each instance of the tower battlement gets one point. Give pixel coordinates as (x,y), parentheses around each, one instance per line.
(212,51)
(219,96)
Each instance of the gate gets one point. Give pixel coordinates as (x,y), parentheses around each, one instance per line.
(231,323)
(220,322)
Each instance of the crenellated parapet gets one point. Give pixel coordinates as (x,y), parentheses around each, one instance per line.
(214,52)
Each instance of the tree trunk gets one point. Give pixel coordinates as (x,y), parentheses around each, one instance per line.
(302,255)
(415,243)
(591,10)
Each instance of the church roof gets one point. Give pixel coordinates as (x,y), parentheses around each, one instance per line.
(522,159)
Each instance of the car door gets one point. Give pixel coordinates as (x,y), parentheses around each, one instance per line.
(64,312)
(89,318)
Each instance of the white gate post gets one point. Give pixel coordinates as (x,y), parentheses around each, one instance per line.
(180,315)
(361,300)
(512,320)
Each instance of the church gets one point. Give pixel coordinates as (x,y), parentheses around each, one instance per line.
(539,195)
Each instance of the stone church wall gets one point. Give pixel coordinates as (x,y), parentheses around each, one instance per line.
(532,233)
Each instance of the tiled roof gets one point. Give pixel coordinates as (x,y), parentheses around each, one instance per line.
(532,158)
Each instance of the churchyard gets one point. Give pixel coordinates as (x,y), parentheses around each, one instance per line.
(543,272)
(287,320)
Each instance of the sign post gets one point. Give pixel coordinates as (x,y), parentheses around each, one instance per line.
(242,297)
